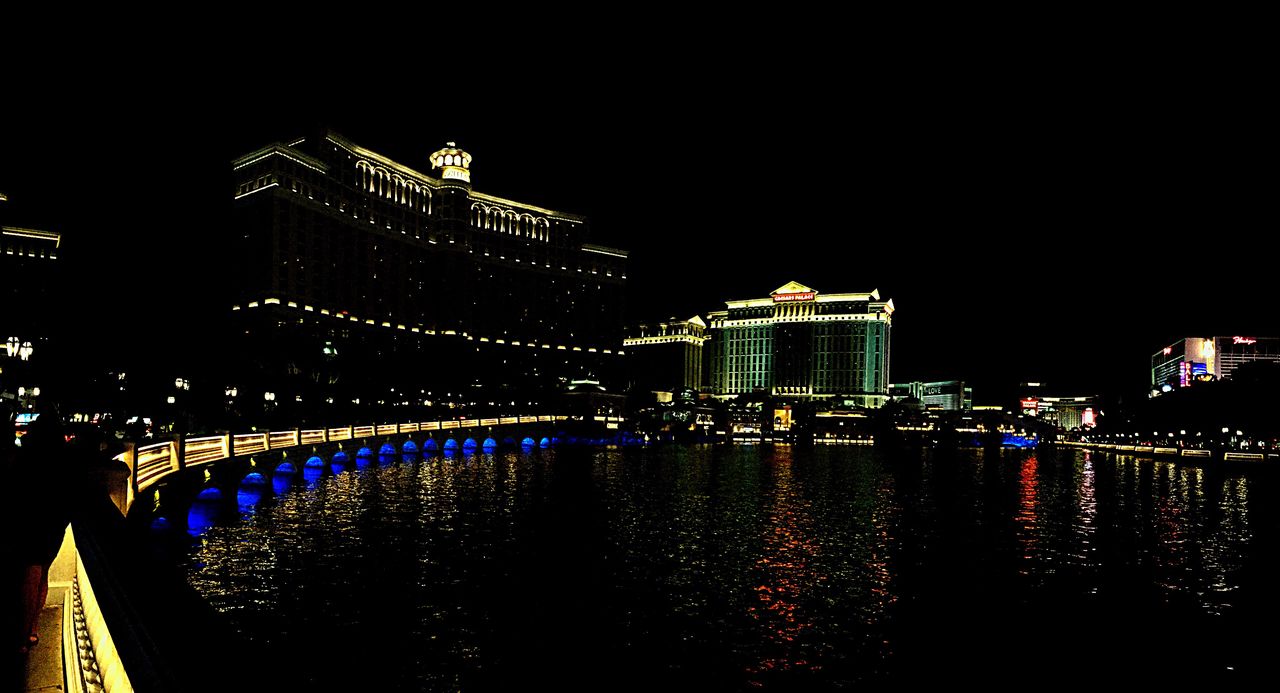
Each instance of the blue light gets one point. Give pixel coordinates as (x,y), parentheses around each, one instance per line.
(201,517)
(286,467)
(280,483)
(340,462)
(315,462)
(364,452)
(1013,441)
(490,444)
(450,444)
(210,494)
(527,443)
(544,443)
(409,448)
(431,445)
(160,524)
(312,475)
(249,497)
(469,444)
(253,479)
(387,449)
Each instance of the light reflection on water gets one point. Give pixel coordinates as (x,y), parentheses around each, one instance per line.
(729,567)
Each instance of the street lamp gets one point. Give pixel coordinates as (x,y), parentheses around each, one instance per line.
(12,345)
(182,383)
(231,391)
(25,350)
(269,396)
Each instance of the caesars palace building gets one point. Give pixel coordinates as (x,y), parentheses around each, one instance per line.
(357,269)
(797,342)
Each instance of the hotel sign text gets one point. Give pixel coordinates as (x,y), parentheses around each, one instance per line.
(788,298)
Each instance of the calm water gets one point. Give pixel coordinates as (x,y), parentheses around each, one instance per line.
(727,568)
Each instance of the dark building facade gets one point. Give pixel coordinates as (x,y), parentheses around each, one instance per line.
(361,274)
(30,275)
(29,266)
(799,343)
(666,355)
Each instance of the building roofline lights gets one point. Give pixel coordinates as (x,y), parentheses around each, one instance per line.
(278,149)
(437,182)
(565,216)
(34,233)
(604,250)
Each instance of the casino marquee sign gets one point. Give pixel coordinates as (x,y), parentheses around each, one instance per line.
(793,292)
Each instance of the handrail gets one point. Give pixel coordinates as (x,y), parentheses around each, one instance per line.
(123,629)
(151,463)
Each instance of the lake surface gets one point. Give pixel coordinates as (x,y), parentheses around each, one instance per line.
(739,568)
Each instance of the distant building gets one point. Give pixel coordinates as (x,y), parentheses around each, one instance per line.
(364,272)
(1064,412)
(29,270)
(1207,358)
(28,307)
(947,395)
(666,356)
(802,344)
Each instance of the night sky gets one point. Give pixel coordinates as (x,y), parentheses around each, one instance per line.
(1056,220)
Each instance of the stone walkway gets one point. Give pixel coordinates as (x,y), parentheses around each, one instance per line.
(44,663)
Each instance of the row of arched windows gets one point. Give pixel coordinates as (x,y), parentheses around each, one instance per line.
(392,186)
(508,221)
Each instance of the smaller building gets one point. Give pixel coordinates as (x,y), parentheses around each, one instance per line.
(666,356)
(29,309)
(945,395)
(1066,413)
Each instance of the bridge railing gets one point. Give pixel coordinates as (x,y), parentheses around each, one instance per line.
(151,463)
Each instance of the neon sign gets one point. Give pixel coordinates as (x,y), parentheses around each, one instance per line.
(788,298)
(1168,350)
(1243,340)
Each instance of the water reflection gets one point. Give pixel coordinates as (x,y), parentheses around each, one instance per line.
(785,572)
(731,567)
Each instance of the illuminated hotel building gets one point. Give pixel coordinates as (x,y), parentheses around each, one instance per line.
(800,343)
(948,395)
(1203,358)
(668,355)
(401,273)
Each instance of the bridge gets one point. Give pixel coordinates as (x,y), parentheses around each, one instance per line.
(117,623)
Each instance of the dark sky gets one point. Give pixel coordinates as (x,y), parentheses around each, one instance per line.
(1032,218)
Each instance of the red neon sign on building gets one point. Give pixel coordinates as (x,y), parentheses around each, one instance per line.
(1243,340)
